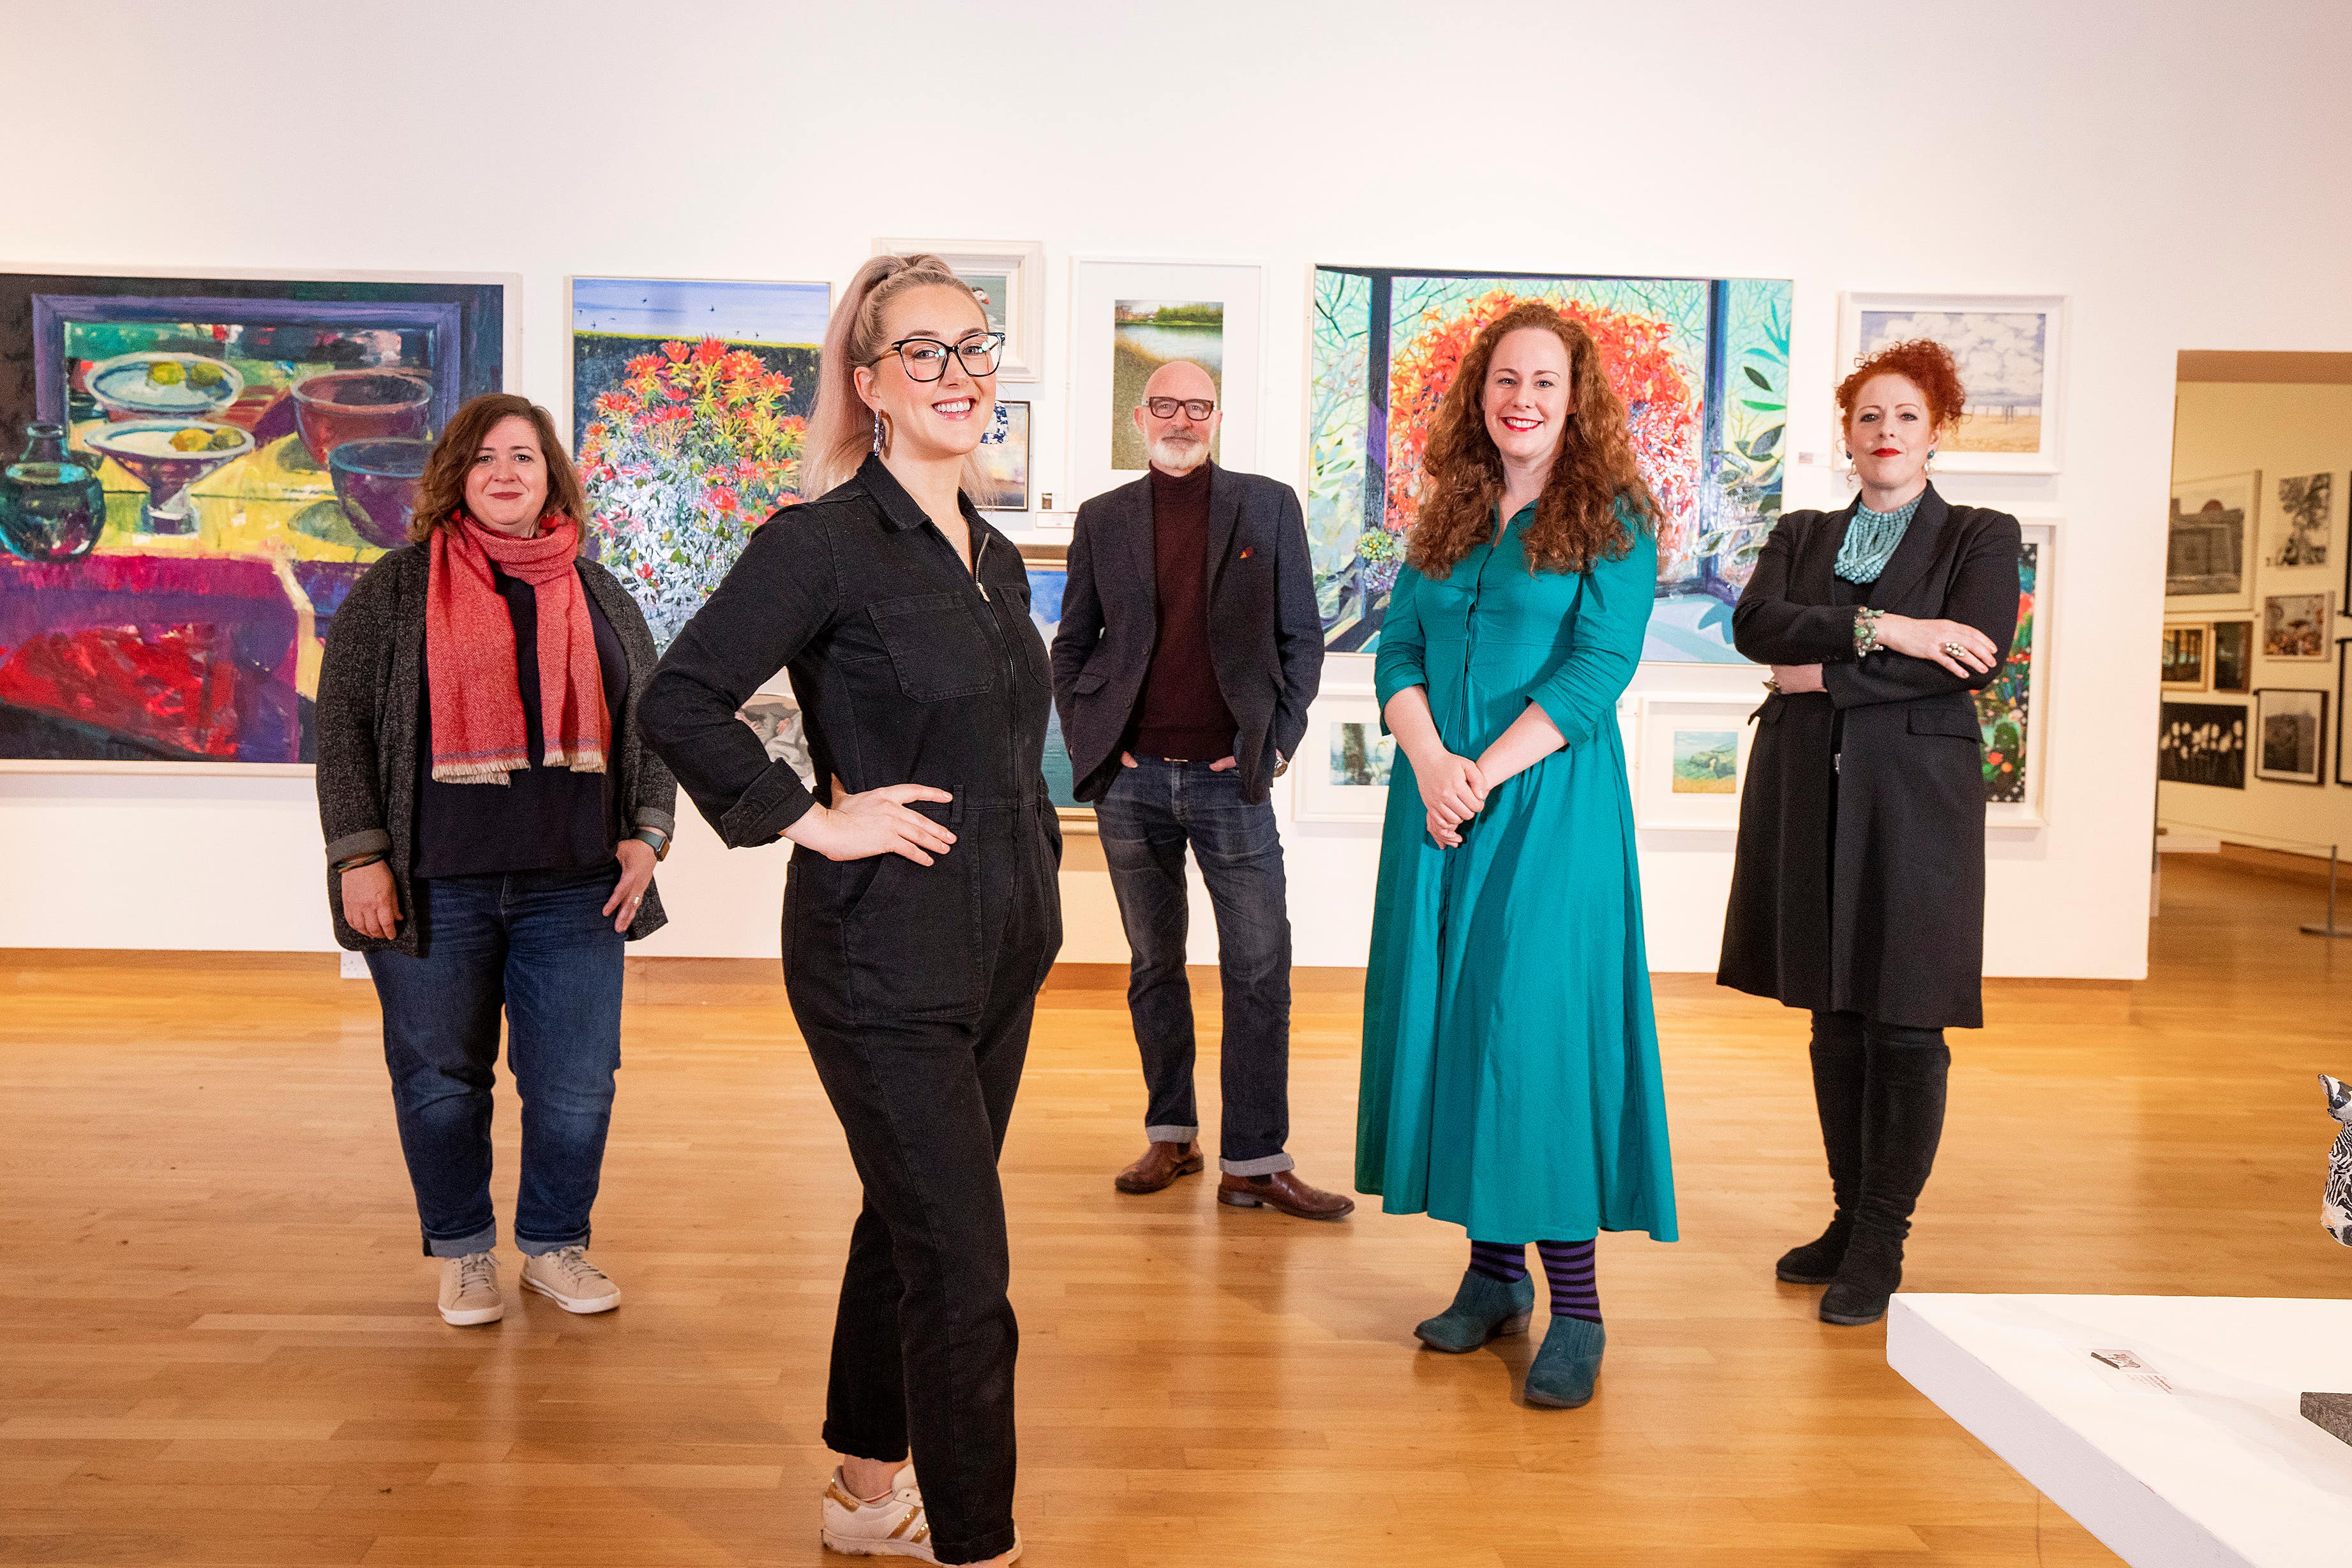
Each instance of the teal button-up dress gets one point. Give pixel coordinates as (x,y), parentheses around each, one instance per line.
(1511,1071)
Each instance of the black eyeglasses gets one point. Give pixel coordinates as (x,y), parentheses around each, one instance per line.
(926,359)
(1194,407)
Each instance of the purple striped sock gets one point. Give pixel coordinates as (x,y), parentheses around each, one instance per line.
(1568,1268)
(1504,1260)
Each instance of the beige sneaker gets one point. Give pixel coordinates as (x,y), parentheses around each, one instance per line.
(566,1277)
(893,1526)
(469,1289)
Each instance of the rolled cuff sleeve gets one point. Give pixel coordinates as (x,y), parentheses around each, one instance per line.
(776,799)
(367,841)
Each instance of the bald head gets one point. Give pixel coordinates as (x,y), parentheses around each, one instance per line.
(1179,443)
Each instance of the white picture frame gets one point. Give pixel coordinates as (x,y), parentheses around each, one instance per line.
(1021,264)
(2211,520)
(1099,286)
(1322,789)
(1692,766)
(2298,627)
(2012,352)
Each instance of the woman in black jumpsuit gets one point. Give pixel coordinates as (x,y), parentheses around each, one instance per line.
(921,912)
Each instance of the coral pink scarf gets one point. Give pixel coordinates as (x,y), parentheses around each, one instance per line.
(470,654)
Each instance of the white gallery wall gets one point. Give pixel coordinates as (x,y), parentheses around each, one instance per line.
(2172,168)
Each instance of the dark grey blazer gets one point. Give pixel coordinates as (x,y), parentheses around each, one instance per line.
(1266,636)
(371,689)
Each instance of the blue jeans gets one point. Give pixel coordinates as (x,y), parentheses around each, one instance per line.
(536,945)
(1151,813)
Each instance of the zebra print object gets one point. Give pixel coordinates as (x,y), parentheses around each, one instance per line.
(2336,1204)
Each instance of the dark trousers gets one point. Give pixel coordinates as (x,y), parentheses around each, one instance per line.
(1880,1089)
(1151,812)
(924,1339)
(537,946)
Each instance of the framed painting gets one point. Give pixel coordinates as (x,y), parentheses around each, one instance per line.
(2209,544)
(2008,349)
(1009,278)
(1702,364)
(199,469)
(1003,461)
(2290,736)
(2343,695)
(2013,711)
(2233,655)
(689,398)
(1342,771)
(1692,763)
(2298,530)
(1130,318)
(2201,743)
(1049,573)
(2296,626)
(2185,658)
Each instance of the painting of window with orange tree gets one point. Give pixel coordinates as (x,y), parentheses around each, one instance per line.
(1702,365)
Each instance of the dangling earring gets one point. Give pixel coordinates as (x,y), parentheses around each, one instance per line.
(881,436)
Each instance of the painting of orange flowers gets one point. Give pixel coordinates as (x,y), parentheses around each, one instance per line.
(689,400)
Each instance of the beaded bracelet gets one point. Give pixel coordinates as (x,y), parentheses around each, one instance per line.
(1865,632)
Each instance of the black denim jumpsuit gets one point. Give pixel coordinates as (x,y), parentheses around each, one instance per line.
(913,985)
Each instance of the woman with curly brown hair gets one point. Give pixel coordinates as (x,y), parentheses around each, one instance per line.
(492,823)
(1511,1069)
(1857,892)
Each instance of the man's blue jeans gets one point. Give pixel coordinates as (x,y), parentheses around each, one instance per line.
(536,945)
(1151,813)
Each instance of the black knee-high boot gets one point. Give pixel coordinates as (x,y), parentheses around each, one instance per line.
(1838,1054)
(1902,1123)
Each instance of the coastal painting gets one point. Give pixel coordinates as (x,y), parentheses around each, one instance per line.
(2007,350)
(1049,574)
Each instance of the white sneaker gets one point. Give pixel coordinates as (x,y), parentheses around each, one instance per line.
(469,1289)
(894,1526)
(566,1277)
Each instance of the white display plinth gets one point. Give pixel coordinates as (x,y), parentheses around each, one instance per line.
(2223,1470)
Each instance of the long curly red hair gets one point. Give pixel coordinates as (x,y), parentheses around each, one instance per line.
(1577,521)
(1925,364)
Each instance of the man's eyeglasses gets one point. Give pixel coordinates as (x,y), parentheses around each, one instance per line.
(926,359)
(1194,407)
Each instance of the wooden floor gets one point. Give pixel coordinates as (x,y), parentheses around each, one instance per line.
(219,1345)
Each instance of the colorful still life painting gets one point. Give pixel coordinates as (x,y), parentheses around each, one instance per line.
(690,399)
(2005,708)
(1702,365)
(197,471)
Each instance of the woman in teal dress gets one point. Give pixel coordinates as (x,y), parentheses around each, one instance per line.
(1511,1069)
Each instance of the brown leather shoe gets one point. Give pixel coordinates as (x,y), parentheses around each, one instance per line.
(1285,1191)
(1160,1166)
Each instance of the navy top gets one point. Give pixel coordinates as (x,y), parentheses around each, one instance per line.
(543,819)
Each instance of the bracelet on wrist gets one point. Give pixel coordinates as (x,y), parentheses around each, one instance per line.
(355,861)
(1865,632)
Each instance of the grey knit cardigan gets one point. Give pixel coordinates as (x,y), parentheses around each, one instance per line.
(371,691)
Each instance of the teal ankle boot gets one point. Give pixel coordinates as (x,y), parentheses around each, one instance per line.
(1482,1309)
(1564,1371)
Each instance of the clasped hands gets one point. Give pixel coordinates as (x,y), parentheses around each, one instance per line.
(1453,791)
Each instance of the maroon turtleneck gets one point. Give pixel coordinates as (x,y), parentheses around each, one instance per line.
(1181,713)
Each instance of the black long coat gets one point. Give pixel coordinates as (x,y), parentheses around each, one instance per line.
(1859,881)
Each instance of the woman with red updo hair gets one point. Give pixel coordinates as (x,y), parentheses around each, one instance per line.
(1858,888)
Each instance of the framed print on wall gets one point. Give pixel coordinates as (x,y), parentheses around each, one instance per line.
(688,400)
(2013,711)
(2010,350)
(1130,318)
(2290,733)
(2297,533)
(2185,658)
(1009,277)
(2295,626)
(1344,764)
(2233,655)
(1049,573)
(2201,743)
(1003,459)
(2342,670)
(2209,561)
(199,469)
(1694,761)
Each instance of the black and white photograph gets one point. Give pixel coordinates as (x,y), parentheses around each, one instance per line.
(2290,724)
(2201,743)
(2297,532)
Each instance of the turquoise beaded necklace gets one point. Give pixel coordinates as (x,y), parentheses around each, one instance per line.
(1871,539)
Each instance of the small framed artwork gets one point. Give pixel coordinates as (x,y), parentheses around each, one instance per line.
(2290,730)
(2201,743)
(2295,626)
(2010,350)
(1003,459)
(1127,320)
(1343,765)
(2185,658)
(2013,711)
(1049,573)
(2342,671)
(2297,534)
(1009,278)
(1694,761)
(2209,544)
(2232,655)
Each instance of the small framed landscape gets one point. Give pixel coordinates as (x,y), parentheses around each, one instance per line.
(2010,350)
(2201,743)
(2296,626)
(1003,461)
(2209,544)
(2290,733)
(1694,761)
(2186,658)
(1343,765)
(1127,318)
(1009,278)
(1049,572)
